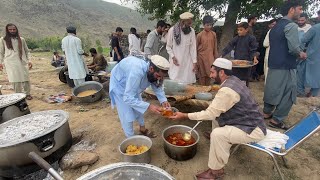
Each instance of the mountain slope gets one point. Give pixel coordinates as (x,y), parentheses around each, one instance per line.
(93,18)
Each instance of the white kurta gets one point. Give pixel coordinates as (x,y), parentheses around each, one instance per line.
(71,45)
(16,69)
(186,54)
(134,43)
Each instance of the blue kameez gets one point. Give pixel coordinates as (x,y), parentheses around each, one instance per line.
(128,80)
(312,74)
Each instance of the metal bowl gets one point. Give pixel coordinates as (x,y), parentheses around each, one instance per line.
(89,85)
(171,86)
(180,153)
(127,171)
(204,96)
(137,140)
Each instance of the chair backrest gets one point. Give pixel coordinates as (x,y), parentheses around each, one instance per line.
(302,130)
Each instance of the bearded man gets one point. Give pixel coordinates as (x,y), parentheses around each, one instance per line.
(240,120)
(14,56)
(129,78)
(181,47)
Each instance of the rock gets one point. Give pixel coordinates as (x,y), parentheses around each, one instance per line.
(76,159)
(84,169)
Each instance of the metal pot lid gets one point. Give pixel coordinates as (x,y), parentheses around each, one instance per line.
(9,99)
(31,126)
(127,171)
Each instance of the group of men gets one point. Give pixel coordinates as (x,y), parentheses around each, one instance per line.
(233,107)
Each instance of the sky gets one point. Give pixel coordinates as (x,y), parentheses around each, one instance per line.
(130,5)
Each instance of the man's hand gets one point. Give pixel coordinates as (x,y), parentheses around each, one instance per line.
(255,60)
(179,116)
(119,57)
(166,104)
(195,67)
(175,61)
(1,67)
(303,55)
(154,109)
(30,65)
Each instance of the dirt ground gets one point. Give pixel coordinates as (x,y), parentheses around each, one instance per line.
(101,125)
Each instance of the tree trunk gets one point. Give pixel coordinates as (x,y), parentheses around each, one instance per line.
(229,24)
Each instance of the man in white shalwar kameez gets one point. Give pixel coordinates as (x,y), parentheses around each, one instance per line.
(129,78)
(14,56)
(72,47)
(181,47)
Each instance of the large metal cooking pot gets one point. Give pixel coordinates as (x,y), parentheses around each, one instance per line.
(127,171)
(137,140)
(90,85)
(47,133)
(180,153)
(12,106)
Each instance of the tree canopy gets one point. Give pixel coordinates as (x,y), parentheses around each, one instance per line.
(231,10)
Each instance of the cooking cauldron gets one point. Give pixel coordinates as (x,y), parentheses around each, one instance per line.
(90,85)
(47,133)
(12,106)
(127,171)
(180,153)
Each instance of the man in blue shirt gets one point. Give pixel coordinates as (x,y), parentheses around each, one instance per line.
(129,78)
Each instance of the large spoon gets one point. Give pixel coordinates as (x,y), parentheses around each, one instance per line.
(187,135)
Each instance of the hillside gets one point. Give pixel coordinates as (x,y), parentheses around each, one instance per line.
(94,18)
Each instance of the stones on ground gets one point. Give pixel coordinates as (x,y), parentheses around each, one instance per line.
(76,159)
(84,169)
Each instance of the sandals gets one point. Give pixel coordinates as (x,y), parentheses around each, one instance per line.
(148,133)
(279,125)
(29,97)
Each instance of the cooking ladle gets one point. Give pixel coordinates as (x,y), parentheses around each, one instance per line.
(187,135)
(45,165)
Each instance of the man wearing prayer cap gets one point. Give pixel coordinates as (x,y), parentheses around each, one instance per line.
(240,120)
(129,78)
(181,47)
(72,48)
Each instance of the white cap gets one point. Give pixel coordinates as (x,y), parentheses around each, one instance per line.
(160,62)
(186,15)
(223,63)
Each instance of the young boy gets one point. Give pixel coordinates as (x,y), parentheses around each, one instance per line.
(245,48)
(207,51)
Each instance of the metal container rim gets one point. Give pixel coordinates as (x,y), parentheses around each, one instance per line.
(134,137)
(189,128)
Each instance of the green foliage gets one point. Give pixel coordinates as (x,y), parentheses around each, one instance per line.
(48,43)
(99,49)
(161,8)
(86,43)
(32,43)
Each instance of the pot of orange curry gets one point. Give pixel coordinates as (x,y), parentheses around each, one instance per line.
(88,92)
(174,145)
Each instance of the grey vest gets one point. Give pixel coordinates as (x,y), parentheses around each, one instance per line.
(245,114)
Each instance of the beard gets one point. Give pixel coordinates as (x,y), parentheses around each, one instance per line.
(217,80)
(154,80)
(13,35)
(151,77)
(186,29)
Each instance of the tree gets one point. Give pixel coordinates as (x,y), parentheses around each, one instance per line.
(32,43)
(232,10)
